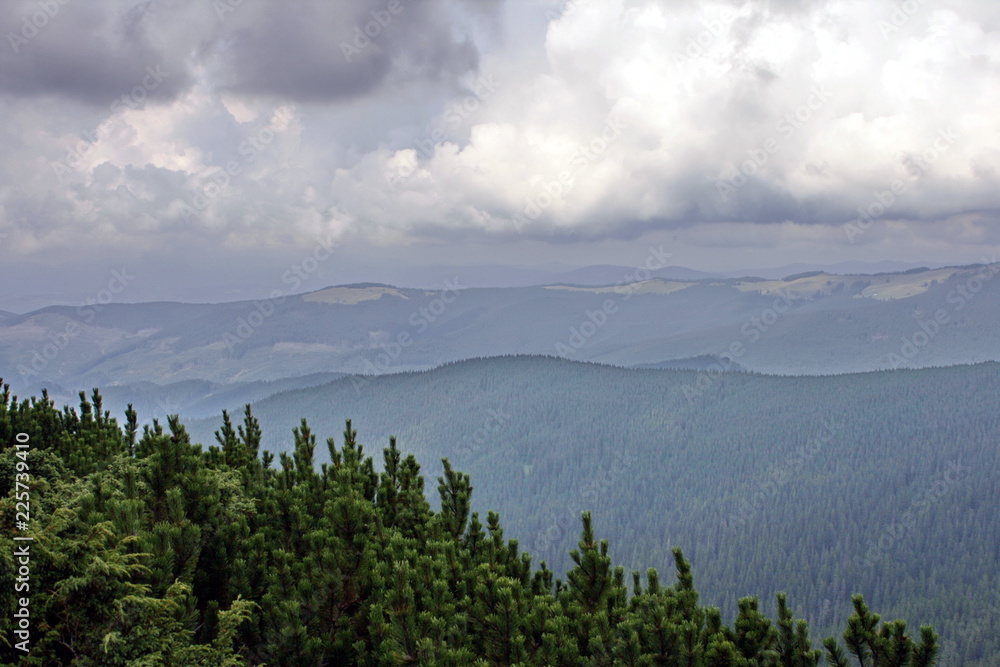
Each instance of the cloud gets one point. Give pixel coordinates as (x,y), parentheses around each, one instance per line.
(88,52)
(629,117)
(319,51)
(747,113)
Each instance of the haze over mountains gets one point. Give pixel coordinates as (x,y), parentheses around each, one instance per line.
(812,323)
(53,289)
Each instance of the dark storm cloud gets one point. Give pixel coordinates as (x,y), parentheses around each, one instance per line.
(91,52)
(318,51)
(310,50)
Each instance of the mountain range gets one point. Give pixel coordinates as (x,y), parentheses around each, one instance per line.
(808,323)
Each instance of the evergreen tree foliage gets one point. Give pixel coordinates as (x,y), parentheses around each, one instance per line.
(150,550)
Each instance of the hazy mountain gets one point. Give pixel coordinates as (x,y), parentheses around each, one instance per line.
(777,272)
(809,323)
(683,273)
(616,275)
(705,362)
(482,275)
(196,398)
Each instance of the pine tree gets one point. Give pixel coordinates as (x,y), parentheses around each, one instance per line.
(154,551)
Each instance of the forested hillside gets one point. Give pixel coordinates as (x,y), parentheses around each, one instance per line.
(880,483)
(150,550)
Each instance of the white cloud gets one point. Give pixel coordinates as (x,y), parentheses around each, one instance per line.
(836,101)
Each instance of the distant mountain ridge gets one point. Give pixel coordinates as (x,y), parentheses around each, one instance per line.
(194,399)
(705,362)
(811,323)
(612,275)
(30,298)
(849,268)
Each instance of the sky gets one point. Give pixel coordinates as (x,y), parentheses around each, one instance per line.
(201,150)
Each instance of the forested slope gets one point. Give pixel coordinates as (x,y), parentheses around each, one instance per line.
(154,551)
(882,483)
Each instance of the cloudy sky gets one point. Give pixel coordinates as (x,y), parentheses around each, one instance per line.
(208,147)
